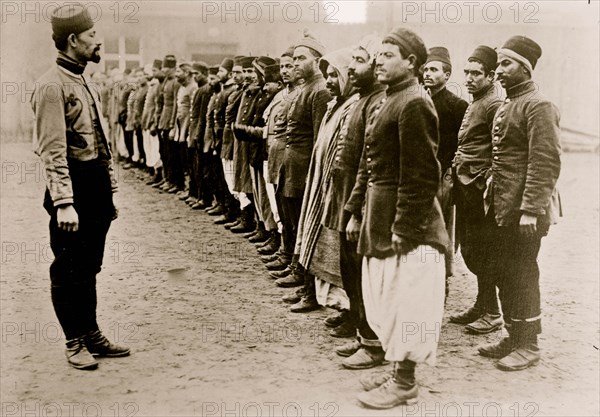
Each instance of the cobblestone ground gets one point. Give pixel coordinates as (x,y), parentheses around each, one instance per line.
(217,341)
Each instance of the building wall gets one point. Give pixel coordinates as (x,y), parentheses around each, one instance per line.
(567,72)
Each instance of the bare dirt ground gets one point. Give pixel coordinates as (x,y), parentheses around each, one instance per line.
(217,340)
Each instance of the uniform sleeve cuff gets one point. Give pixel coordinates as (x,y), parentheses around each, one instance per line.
(63,201)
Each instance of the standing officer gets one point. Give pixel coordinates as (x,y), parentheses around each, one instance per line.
(72,143)
(522,199)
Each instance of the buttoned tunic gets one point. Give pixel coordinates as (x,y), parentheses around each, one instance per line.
(399,174)
(525,157)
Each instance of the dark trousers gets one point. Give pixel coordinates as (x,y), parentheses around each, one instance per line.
(128,138)
(176,162)
(163,148)
(290,217)
(195,172)
(517,275)
(211,183)
(351,271)
(140,143)
(473,233)
(78,255)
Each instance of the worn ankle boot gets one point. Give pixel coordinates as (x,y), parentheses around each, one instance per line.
(78,355)
(99,345)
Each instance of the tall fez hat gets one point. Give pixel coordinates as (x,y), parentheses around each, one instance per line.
(522,49)
(440,54)
(485,55)
(169,62)
(157,64)
(70,18)
(272,74)
(214,69)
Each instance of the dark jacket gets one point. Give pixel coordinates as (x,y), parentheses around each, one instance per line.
(347,158)
(229,102)
(526,157)
(252,132)
(450,110)
(304,119)
(474,153)
(241,149)
(198,115)
(399,174)
(167,116)
(277,140)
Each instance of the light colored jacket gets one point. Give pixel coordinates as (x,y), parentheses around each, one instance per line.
(64,128)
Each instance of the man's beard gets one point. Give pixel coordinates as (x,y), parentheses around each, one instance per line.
(95,57)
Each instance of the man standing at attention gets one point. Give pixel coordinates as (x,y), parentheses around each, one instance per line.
(522,199)
(450,110)
(402,235)
(72,143)
(472,161)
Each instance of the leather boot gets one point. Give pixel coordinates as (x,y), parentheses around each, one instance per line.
(272,245)
(157,177)
(307,303)
(467,316)
(217,210)
(252,232)
(78,355)
(98,344)
(261,236)
(233,223)
(247,223)
(399,389)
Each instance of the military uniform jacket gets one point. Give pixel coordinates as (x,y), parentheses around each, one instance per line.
(168,114)
(399,174)
(304,118)
(150,105)
(347,158)
(525,157)
(159,102)
(474,153)
(198,115)
(241,149)
(138,103)
(253,131)
(68,126)
(278,133)
(209,131)
(231,103)
(450,110)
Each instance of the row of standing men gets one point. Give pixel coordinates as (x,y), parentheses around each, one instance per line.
(348,169)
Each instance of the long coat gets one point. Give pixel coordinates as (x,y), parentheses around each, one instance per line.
(168,114)
(349,145)
(399,174)
(304,118)
(525,157)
